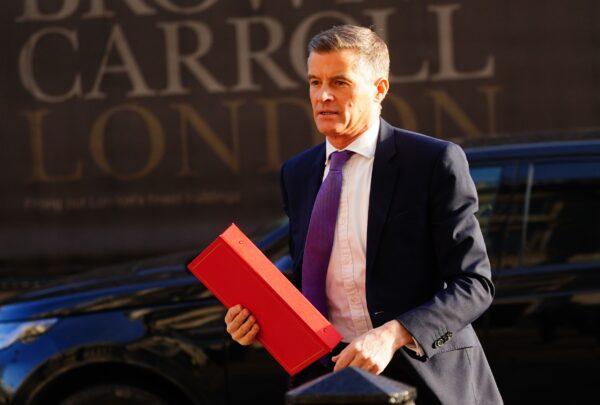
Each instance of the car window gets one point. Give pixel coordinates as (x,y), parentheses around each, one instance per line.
(562,219)
(487,180)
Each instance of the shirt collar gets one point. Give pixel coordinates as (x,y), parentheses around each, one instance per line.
(364,145)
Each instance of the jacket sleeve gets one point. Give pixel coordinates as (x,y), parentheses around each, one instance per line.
(460,254)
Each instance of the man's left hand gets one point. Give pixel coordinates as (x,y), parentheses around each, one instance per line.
(373,350)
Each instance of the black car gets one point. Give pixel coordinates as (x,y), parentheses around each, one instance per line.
(149,332)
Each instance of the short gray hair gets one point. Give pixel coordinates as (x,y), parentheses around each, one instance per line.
(365,42)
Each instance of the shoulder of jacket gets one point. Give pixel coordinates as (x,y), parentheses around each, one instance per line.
(303,159)
(421,145)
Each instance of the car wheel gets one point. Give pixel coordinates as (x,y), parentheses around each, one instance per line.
(114,394)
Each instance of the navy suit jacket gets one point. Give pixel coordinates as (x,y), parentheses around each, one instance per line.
(427,264)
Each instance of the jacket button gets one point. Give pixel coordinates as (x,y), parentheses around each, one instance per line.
(439,343)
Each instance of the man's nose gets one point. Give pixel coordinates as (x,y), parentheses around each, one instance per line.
(325,95)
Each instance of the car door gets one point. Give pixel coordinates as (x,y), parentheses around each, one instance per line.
(543,328)
(496,191)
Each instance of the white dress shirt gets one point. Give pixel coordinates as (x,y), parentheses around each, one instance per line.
(346,274)
(345,285)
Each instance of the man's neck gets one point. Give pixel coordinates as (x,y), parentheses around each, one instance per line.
(340,142)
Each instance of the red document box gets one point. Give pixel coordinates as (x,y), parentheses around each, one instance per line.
(237,272)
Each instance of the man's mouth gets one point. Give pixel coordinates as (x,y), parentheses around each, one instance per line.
(327,113)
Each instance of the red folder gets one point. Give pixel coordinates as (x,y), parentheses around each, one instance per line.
(291,328)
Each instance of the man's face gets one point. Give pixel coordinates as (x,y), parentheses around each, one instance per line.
(343,93)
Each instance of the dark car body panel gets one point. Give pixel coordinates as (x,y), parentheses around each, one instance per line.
(150,317)
(543,328)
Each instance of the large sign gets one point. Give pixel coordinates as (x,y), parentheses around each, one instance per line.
(137,127)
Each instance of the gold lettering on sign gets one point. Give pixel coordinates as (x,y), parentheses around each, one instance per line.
(408,117)
(175,8)
(380,19)
(155,133)
(98,9)
(129,66)
(190,117)
(270,106)
(26,70)
(448,70)
(256,4)
(176,60)
(38,173)
(32,12)
(442,102)
(299,37)
(490,98)
(245,55)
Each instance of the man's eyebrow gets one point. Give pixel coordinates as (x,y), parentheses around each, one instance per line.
(336,77)
(343,77)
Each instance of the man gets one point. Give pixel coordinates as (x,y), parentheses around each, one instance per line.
(383,235)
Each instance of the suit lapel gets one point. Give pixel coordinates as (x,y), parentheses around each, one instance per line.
(383,181)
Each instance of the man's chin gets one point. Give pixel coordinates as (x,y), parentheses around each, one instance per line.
(329,130)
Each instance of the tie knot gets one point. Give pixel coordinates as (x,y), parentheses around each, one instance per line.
(338,159)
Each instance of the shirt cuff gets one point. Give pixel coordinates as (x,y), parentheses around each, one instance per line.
(415,347)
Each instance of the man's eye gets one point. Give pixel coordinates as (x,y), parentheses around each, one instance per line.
(313,83)
(340,83)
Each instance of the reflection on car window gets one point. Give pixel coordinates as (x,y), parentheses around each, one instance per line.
(563,222)
(487,180)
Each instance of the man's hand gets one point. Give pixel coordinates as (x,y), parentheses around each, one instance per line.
(241,325)
(373,351)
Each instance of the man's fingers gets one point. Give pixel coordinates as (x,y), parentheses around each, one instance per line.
(244,328)
(241,325)
(344,358)
(232,313)
(250,336)
(241,318)
(360,361)
(374,369)
(342,363)
(237,321)
(253,331)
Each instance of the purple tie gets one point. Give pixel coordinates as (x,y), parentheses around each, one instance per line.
(321,229)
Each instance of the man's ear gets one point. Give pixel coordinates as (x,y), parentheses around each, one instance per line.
(382,85)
